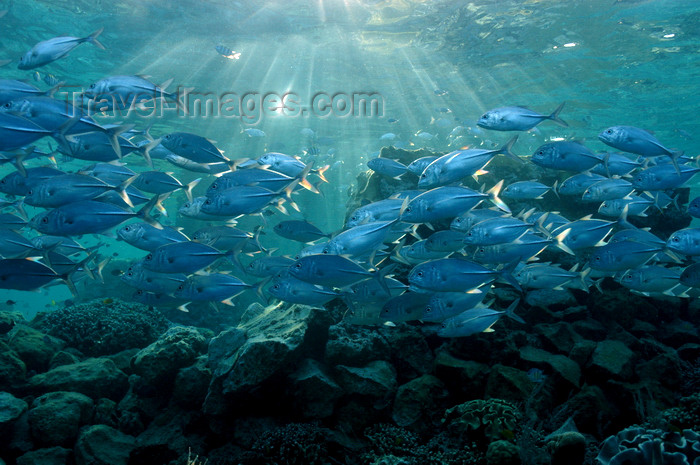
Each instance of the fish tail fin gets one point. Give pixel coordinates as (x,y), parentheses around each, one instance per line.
(92,38)
(559,241)
(121,190)
(606,160)
(145,212)
(506,149)
(582,283)
(622,220)
(382,274)
(321,171)
(555,116)
(493,195)
(674,159)
(147,151)
(189,187)
(303,182)
(507,274)
(100,266)
(510,311)
(114,133)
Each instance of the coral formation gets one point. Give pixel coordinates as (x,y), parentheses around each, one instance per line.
(489,419)
(106,326)
(642,446)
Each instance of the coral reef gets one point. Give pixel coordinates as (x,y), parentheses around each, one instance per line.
(642,446)
(489,419)
(106,326)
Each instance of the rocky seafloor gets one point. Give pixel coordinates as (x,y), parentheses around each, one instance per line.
(111,382)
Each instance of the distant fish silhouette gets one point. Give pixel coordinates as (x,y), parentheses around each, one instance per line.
(227,52)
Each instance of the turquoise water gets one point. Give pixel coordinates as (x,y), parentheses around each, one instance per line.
(613,62)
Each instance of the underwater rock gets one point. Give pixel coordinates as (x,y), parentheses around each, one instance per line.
(410,352)
(315,389)
(33,347)
(106,413)
(268,343)
(590,329)
(102,445)
(678,332)
(377,379)
(550,299)
(465,378)
(94,377)
(416,402)
(563,366)
(191,385)
(355,345)
(11,408)
(13,371)
(591,408)
(63,357)
(164,439)
(8,320)
(568,448)
(55,418)
(49,456)
(508,383)
(558,337)
(612,359)
(123,359)
(503,453)
(581,352)
(177,348)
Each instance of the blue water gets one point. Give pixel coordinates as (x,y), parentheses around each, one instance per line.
(431,65)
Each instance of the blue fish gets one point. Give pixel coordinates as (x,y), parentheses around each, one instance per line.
(50,50)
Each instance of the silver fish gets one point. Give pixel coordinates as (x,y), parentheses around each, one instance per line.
(475,321)
(50,50)
(147,237)
(517,119)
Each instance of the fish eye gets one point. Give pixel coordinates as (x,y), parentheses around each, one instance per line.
(597,258)
(214,186)
(207,202)
(127,228)
(428,309)
(149,257)
(541,152)
(45,219)
(139,292)
(419,274)
(92,86)
(675,239)
(276,286)
(609,131)
(180,287)
(297,266)
(129,273)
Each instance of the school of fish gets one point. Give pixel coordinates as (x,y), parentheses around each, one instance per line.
(450,271)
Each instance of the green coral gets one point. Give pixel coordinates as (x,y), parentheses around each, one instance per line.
(393,445)
(686,415)
(102,327)
(489,419)
(293,444)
